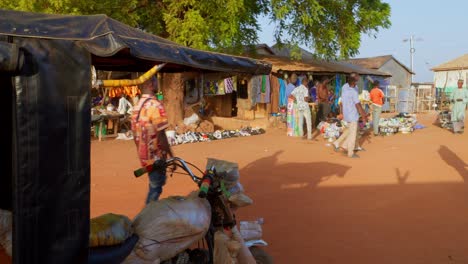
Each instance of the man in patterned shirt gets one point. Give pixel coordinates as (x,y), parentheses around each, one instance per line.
(149,122)
(301,95)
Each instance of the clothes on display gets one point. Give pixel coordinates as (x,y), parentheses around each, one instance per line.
(283,99)
(192,137)
(403,123)
(292,121)
(131,91)
(264,94)
(331,129)
(275,94)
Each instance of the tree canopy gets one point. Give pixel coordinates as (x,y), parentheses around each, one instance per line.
(331,28)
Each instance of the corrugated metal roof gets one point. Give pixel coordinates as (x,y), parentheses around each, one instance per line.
(459,63)
(376,62)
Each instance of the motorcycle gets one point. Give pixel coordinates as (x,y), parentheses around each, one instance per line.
(212,189)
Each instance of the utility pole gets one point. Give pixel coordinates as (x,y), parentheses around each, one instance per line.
(412,51)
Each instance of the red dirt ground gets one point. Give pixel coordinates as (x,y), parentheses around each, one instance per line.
(404,201)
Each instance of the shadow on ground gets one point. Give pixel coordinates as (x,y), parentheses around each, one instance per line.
(393,223)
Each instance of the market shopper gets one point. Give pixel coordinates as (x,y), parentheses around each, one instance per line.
(377,98)
(313,91)
(149,122)
(459,99)
(300,95)
(291,84)
(323,96)
(351,110)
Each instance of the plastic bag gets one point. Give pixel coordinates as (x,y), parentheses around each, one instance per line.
(109,230)
(229,170)
(168,227)
(251,230)
(6,225)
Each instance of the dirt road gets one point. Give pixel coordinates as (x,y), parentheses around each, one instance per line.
(404,201)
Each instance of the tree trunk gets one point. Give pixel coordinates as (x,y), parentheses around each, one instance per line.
(173,90)
(173,85)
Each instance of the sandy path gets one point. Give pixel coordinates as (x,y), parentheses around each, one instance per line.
(404,201)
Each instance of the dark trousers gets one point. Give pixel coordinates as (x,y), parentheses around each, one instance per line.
(324,110)
(157,179)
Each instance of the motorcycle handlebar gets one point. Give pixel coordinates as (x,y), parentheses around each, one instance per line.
(172,161)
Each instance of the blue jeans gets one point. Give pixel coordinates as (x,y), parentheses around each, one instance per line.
(157,179)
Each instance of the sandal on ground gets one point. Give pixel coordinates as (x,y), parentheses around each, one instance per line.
(335,148)
(354,156)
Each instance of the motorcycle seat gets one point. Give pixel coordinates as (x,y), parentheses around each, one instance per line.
(112,254)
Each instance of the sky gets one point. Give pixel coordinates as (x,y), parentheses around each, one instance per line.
(438,25)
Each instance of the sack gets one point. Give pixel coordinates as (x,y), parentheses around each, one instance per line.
(6,225)
(109,230)
(240,200)
(168,227)
(226,248)
(231,249)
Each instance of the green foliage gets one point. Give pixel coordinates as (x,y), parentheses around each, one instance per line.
(331,28)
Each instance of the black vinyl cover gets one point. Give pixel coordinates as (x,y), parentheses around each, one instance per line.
(51,153)
(105,37)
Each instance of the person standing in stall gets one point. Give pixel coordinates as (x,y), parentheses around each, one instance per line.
(323,94)
(300,95)
(149,123)
(377,98)
(313,91)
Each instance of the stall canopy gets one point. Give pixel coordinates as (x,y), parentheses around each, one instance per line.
(116,46)
(280,63)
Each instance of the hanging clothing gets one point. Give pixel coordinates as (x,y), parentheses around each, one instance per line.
(221,88)
(283,101)
(255,86)
(211,87)
(228,85)
(264,95)
(275,94)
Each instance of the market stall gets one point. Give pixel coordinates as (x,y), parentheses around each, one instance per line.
(313,69)
(50,107)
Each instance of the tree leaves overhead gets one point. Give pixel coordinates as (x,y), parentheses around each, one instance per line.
(331,28)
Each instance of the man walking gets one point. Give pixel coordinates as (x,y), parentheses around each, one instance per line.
(301,96)
(351,110)
(459,99)
(149,122)
(377,98)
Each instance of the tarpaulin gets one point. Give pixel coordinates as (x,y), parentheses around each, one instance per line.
(51,152)
(110,41)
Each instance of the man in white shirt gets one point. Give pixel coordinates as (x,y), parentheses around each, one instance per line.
(351,110)
(125,107)
(301,96)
